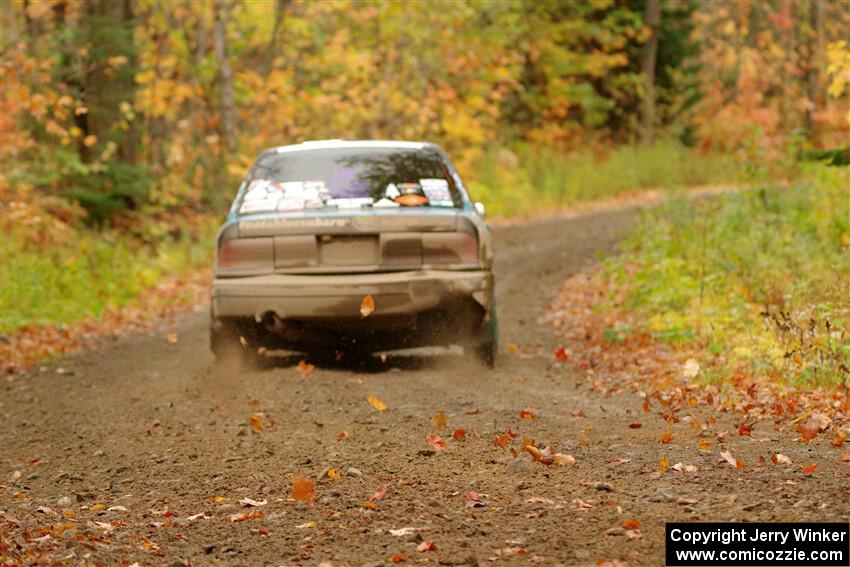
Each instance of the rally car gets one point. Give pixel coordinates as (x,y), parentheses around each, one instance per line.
(353,246)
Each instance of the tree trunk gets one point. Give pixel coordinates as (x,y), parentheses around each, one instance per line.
(652,19)
(227,110)
(280,14)
(812,65)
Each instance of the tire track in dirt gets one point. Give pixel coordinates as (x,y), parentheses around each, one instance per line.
(158,429)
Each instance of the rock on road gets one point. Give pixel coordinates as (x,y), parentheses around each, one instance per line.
(133,441)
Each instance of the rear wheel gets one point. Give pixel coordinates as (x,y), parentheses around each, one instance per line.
(486,354)
(488,342)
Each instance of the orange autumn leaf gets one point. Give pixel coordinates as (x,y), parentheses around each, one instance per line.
(810,469)
(376,403)
(631,524)
(304,368)
(745,430)
(663,463)
(368,506)
(303,489)
(543,456)
(436,442)
(704,445)
(440,421)
(367,306)
(666,437)
(561,354)
(459,434)
(646,406)
(398,558)
(341,435)
(527,413)
(809,429)
(256,422)
(501,441)
(839,440)
(334,474)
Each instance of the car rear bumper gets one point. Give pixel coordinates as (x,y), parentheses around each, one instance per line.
(340,296)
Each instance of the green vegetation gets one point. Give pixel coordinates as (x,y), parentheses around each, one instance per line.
(760,277)
(71,279)
(539,179)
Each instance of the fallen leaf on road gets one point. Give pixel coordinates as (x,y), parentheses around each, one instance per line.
(251,502)
(440,421)
(663,463)
(459,434)
(116,509)
(334,474)
(631,524)
(732,460)
(473,500)
(543,456)
(367,306)
(810,469)
(381,493)
(679,467)
(810,428)
(745,429)
(666,437)
(526,413)
(582,505)
(245,516)
(561,354)
(398,558)
(256,422)
(200,516)
(436,442)
(779,459)
(341,435)
(376,403)
(306,525)
(633,534)
(540,500)
(303,489)
(839,440)
(635,426)
(646,406)
(502,441)
(426,546)
(512,348)
(704,445)
(304,368)
(562,459)
(368,506)
(402,531)
(171,338)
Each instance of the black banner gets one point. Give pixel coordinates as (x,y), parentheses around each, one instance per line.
(760,544)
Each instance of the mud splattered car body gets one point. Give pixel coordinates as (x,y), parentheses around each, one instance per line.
(319,226)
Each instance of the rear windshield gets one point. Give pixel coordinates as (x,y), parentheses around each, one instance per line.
(348,178)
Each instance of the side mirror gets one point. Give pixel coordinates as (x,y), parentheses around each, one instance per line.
(480,209)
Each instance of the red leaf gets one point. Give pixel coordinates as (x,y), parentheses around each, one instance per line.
(436,442)
(810,469)
(561,354)
(527,413)
(745,430)
(635,426)
(459,434)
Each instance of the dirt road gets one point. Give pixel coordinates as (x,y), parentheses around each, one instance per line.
(127,444)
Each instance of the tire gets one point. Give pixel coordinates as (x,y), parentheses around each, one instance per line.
(486,354)
(488,342)
(226,344)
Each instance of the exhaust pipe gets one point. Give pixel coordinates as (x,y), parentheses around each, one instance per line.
(272,322)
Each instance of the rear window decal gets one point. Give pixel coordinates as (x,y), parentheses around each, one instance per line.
(437,191)
(354,203)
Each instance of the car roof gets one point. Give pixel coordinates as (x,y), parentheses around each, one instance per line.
(341,144)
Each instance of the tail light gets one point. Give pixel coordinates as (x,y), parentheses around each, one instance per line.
(244,255)
(449,248)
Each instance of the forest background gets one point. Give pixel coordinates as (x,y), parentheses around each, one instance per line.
(125,125)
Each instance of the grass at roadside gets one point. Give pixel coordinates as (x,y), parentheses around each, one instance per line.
(758,280)
(534,180)
(76,273)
